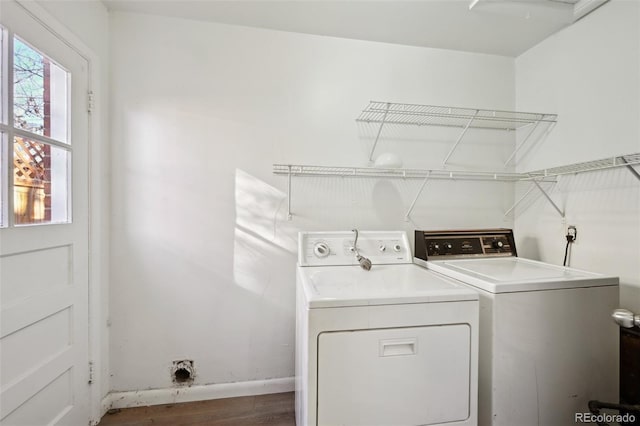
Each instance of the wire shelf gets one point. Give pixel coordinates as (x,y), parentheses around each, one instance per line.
(627,160)
(374,172)
(431,115)
(536,177)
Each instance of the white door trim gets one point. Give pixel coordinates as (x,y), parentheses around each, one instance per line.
(98,257)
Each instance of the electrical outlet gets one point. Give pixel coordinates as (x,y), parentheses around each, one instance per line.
(573,231)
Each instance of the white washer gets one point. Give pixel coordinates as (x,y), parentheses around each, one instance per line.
(396,345)
(547,343)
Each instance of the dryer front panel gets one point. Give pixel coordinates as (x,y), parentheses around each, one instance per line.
(403,376)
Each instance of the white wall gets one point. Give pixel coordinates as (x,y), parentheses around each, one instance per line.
(589,74)
(203,258)
(89,22)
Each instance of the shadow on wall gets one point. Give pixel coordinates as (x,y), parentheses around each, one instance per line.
(529,248)
(387,202)
(427,146)
(265,244)
(604,205)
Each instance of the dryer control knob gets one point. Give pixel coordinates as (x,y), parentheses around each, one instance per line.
(448,246)
(382,247)
(321,250)
(497,244)
(397,247)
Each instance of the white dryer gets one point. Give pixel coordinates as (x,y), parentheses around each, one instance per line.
(547,342)
(394,345)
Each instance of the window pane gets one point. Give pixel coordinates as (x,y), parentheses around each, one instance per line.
(3,77)
(39,93)
(40,182)
(3,181)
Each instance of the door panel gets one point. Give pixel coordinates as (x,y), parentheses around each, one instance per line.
(44,268)
(53,267)
(52,403)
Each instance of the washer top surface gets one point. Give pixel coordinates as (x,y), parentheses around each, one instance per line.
(514,274)
(342,286)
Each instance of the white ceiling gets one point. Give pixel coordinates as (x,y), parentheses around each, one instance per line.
(502,27)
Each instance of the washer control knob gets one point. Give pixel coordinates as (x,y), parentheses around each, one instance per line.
(497,244)
(397,247)
(382,247)
(321,250)
(448,246)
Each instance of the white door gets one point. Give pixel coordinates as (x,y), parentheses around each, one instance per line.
(44,357)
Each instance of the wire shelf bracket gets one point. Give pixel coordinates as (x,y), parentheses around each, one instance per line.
(289,215)
(521,144)
(550,125)
(375,143)
(520,200)
(535,184)
(630,167)
(415,199)
(548,197)
(464,131)
(555,206)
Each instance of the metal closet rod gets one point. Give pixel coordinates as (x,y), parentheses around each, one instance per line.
(536,177)
(298,170)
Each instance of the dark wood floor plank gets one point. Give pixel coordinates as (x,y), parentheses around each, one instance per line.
(270,409)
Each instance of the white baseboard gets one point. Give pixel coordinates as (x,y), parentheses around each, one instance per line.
(195,393)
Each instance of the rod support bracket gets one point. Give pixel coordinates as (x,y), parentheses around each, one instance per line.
(424,183)
(289,215)
(555,206)
(464,131)
(375,143)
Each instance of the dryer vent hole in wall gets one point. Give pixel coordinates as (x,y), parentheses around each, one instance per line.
(182,372)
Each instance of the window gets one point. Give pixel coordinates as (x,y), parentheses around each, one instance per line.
(36,150)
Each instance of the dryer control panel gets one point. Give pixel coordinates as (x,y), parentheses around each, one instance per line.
(441,245)
(339,249)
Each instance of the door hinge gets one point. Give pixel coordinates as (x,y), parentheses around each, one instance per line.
(90,372)
(90,101)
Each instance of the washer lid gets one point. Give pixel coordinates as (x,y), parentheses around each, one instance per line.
(513,274)
(341,286)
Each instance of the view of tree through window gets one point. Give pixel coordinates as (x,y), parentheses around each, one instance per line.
(31,160)
(40,167)
(31,90)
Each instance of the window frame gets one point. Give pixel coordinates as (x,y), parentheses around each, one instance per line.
(9,131)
